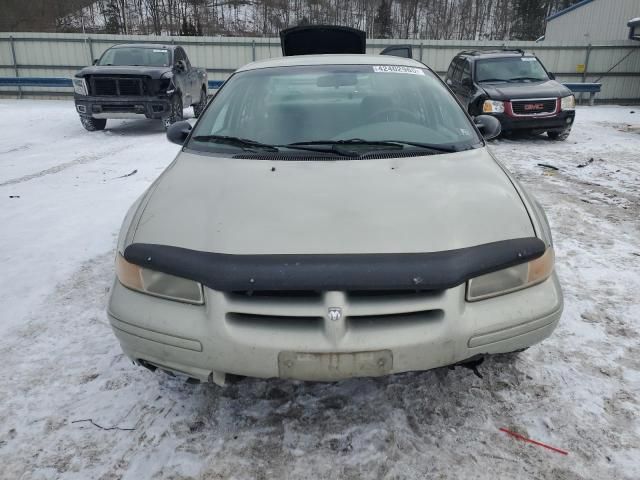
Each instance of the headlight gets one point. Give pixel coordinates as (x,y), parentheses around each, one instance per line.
(511,279)
(157,283)
(80,86)
(568,103)
(493,106)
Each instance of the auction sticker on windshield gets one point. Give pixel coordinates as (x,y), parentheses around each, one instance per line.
(397,69)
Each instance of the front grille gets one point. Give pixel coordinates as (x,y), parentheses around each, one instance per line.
(113,86)
(544,106)
(360,309)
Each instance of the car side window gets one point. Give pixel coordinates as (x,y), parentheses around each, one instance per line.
(179,55)
(457,74)
(466,72)
(186,59)
(452,67)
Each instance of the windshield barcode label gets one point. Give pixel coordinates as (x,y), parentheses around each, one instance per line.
(397,69)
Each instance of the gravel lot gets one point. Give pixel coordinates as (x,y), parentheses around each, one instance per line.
(63,194)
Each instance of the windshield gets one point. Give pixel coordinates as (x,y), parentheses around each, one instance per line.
(328,104)
(148,57)
(510,69)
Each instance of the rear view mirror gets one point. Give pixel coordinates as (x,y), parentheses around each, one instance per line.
(337,80)
(489,126)
(551,76)
(178,132)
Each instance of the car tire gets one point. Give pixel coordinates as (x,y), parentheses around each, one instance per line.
(93,124)
(176,114)
(199,107)
(559,135)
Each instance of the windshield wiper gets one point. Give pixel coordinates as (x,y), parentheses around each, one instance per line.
(493,80)
(351,141)
(245,143)
(395,144)
(336,146)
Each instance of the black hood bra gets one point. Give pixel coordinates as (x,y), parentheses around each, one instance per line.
(324,272)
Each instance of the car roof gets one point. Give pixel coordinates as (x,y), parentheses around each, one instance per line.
(144,45)
(481,54)
(333,59)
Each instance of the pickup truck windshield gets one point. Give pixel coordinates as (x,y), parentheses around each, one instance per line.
(510,69)
(335,107)
(136,56)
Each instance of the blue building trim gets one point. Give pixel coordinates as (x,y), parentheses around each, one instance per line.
(568,9)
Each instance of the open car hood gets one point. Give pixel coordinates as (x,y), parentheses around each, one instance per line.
(322,39)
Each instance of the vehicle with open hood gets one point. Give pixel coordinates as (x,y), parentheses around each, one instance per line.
(328,217)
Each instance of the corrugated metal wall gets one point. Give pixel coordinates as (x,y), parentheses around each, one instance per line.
(596,21)
(61,55)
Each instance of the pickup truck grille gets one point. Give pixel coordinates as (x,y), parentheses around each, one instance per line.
(535,106)
(116,86)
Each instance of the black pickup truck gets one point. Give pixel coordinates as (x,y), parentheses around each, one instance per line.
(138,81)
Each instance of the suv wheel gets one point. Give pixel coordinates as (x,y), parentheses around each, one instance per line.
(176,113)
(559,135)
(93,124)
(198,108)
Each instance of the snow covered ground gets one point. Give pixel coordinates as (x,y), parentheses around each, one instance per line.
(63,194)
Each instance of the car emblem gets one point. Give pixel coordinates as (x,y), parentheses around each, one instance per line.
(534,106)
(335,313)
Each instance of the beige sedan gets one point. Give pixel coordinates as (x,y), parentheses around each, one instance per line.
(332,216)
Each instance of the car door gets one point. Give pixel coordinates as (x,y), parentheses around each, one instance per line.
(192,79)
(181,76)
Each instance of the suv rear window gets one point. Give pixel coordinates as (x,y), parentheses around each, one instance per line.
(510,69)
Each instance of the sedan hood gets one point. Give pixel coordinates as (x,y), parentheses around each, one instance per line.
(152,72)
(417,204)
(508,91)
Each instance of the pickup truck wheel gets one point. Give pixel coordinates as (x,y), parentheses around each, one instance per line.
(176,113)
(198,108)
(93,124)
(561,135)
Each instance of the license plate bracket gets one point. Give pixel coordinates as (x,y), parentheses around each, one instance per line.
(334,365)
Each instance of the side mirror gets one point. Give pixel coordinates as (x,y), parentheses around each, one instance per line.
(178,132)
(180,66)
(95,61)
(489,126)
(551,76)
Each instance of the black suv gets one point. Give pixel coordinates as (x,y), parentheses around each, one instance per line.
(514,87)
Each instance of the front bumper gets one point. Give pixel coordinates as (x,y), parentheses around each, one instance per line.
(556,122)
(253,337)
(122,107)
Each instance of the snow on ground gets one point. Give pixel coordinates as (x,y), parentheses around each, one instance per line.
(578,390)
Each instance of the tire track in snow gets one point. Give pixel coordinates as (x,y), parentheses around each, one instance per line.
(82,160)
